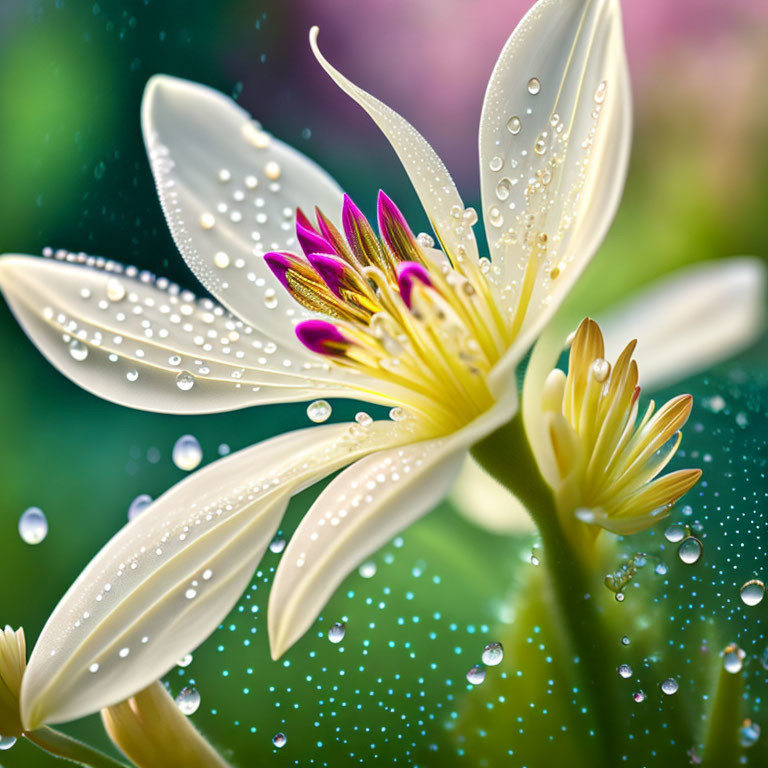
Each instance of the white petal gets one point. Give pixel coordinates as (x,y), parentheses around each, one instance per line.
(487,503)
(142,342)
(554,65)
(168,578)
(227,187)
(691,319)
(361,510)
(427,172)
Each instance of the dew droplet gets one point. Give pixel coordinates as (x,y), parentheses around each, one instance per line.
(190,594)
(514,125)
(752,592)
(33,525)
(337,631)
(207,220)
(675,533)
(185,381)
(624,671)
(368,570)
(132,375)
(600,92)
(600,369)
(187,453)
(279,740)
(495,217)
(272,170)
(749,733)
(540,147)
(425,240)
(397,414)
(690,550)
(638,696)
(496,163)
(184,661)
(534,86)
(319,411)
(625,640)
(188,700)
(470,216)
(6,742)
(669,686)
(503,188)
(138,505)
(733,659)
(77,350)
(115,289)
(493,653)
(277,545)
(363,419)
(221,260)
(476,674)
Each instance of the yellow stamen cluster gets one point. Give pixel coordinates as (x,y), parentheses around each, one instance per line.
(606,459)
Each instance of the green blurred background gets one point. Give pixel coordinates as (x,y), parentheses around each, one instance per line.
(75,176)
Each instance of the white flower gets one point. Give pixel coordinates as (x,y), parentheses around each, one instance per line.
(435,334)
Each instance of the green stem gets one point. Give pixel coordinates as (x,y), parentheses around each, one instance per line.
(68,748)
(722,748)
(506,454)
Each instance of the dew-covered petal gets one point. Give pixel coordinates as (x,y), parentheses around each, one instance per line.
(554,143)
(361,510)
(230,192)
(141,341)
(429,176)
(691,319)
(167,579)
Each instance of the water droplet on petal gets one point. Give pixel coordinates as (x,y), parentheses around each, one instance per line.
(363,419)
(319,411)
(279,740)
(496,163)
(493,653)
(77,350)
(368,570)
(185,381)
(624,671)
(6,742)
(221,260)
(690,550)
(207,221)
(132,375)
(752,592)
(188,700)
(600,369)
(638,696)
(115,289)
(337,631)
(669,686)
(138,505)
(476,674)
(534,86)
(514,125)
(425,240)
(184,661)
(33,525)
(187,453)
(272,170)
(397,414)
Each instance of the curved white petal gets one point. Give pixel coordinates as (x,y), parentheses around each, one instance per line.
(358,512)
(691,319)
(427,172)
(168,578)
(227,187)
(554,144)
(142,342)
(487,503)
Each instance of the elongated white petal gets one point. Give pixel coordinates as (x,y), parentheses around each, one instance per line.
(230,192)
(427,172)
(487,503)
(144,343)
(554,143)
(168,578)
(691,319)
(358,512)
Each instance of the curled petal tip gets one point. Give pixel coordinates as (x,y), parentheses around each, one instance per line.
(279,263)
(321,337)
(330,269)
(407,272)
